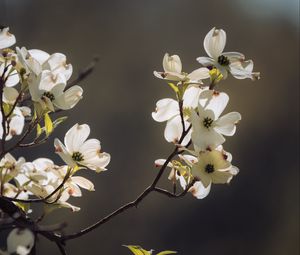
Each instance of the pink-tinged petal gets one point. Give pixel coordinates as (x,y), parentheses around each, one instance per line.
(166,109)
(76,136)
(83,183)
(61,150)
(199,191)
(73,190)
(215,101)
(206,61)
(214,42)
(226,125)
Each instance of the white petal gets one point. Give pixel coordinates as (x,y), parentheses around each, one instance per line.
(83,183)
(234,56)
(172,63)
(69,98)
(90,148)
(173,130)
(76,136)
(61,150)
(39,55)
(191,96)
(161,162)
(199,74)
(226,125)
(206,61)
(214,42)
(57,63)
(199,191)
(10,95)
(166,109)
(98,163)
(6,39)
(215,101)
(20,241)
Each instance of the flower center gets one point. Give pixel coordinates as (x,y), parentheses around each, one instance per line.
(77,156)
(209,168)
(207,122)
(49,95)
(223,61)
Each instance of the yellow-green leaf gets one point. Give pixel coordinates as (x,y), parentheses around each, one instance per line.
(48,124)
(137,250)
(39,130)
(166,252)
(174,87)
(23,206)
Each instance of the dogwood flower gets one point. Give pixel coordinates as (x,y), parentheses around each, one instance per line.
(232,62)
(208,127)
(213,167)
(182,173)
(20,241)
(74,183)
(6,39)
(79,151)
(167,109)
(173,71)
(15,123)
(48,91)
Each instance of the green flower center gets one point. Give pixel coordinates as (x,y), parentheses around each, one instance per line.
(209,168)
(77,156)
(223,61)
(49,95)
(207,122)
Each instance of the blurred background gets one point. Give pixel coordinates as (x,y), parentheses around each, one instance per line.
(258,213)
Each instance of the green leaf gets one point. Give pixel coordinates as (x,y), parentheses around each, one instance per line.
(166,252)
(48,124)
(137,250)
(174,87)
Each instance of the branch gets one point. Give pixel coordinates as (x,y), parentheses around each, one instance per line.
(138,200)
(84,73)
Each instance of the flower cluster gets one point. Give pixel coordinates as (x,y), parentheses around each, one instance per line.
(33,86)
(195,117)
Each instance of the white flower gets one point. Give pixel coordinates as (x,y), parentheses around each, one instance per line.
(182,174)
(11,76)
(78,150)
(6,39)
(173,71)
(74,183)
(20,241)
(233,62)
(16,123)
(10,167)
(208,127)
(167,109)
(47,89)
(213,167)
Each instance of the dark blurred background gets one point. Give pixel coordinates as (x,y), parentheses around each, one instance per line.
(258,213)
